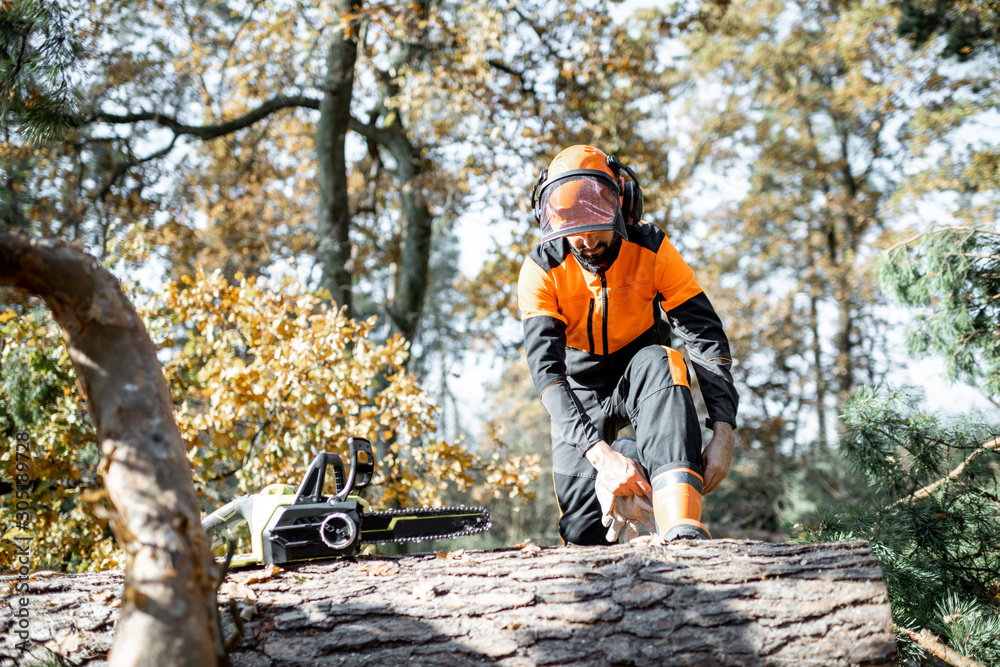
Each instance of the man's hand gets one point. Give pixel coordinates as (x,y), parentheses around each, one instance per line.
(718,455)
(619,474)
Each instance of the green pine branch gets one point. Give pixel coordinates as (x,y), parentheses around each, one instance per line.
(952,276)
(38,58)
(933,517)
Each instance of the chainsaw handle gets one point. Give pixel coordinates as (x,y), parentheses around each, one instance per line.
(229,514)
(362,468)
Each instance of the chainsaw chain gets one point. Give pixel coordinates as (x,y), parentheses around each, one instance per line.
(429,511)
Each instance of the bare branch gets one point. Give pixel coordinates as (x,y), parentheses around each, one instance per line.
(930,643)
(925,493)
(169,598)
(121,169)
(210,131)
(940,230)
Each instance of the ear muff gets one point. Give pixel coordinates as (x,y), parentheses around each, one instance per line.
(536,200)
(631,199)
(631,191)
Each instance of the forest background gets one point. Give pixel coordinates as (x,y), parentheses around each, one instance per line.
(321,209)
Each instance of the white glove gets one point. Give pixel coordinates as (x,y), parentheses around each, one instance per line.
(629,511)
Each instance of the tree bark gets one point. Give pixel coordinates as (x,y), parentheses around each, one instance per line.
(719,602)
(167,614)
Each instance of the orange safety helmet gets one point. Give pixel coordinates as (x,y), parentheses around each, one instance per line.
(584,191)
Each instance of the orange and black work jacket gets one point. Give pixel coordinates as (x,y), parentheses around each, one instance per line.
(582,325)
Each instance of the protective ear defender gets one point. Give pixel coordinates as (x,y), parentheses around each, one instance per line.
(536,201)
(631,191)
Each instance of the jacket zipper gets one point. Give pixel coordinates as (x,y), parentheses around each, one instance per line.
(590,326)
(604,312)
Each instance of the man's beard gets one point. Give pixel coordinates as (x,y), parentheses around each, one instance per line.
(600,255)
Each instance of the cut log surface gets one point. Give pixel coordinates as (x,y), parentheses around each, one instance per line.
(720,602)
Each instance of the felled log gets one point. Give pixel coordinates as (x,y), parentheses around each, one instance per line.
(721,602)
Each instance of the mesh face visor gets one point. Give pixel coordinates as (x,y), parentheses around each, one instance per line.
(580,204)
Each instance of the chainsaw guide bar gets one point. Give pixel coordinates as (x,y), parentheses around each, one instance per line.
(450,519)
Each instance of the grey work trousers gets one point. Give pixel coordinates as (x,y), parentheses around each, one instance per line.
(659,407)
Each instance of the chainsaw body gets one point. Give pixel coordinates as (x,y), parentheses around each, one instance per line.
(288,524)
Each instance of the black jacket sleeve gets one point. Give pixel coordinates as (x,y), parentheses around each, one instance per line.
(545,346)
(699,326)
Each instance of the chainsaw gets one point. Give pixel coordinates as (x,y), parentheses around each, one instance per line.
(288,524)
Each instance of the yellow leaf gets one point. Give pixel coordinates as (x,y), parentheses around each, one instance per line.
(268,573)
(380,569)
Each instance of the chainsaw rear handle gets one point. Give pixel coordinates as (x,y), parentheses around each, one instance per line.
(228,515)
(362,468)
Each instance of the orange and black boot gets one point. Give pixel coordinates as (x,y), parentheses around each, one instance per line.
(677,505)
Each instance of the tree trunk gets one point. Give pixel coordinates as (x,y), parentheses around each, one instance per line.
(817,351)
(413,273)
(167,614)
(411,277)
(702,603)
(331,131)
